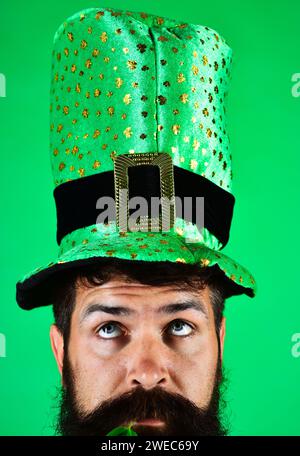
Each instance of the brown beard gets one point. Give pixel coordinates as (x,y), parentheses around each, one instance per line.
(180,415)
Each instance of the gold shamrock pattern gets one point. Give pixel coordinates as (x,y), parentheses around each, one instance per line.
(130,81)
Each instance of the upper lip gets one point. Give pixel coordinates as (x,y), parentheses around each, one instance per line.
(148,422)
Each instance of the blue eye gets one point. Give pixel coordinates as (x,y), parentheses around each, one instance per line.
(180,328)
(109,331)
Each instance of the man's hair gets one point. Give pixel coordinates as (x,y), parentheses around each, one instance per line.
(190,277)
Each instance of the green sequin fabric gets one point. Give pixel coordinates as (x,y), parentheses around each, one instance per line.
(131,82)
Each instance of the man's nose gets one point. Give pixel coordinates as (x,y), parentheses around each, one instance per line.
(147,366)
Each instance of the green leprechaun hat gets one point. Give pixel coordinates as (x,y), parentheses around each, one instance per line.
(137,103)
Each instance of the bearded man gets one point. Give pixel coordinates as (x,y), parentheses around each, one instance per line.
(137,115)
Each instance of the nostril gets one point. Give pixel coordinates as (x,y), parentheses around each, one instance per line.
(148,382)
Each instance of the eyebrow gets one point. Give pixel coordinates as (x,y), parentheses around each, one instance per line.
(184,305)
(168,309)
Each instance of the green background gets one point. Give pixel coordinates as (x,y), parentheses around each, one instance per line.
(263,119)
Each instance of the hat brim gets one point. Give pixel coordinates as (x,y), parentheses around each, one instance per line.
(133,246)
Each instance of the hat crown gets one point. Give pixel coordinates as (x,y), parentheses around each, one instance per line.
(126,82)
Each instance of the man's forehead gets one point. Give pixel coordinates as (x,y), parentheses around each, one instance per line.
(137,297)
(119,287)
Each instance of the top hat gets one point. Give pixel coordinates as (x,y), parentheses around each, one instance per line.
(137,109)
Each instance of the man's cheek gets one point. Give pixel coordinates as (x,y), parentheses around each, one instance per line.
(89,391)
(95,382)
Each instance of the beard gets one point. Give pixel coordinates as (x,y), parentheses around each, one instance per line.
(180,415)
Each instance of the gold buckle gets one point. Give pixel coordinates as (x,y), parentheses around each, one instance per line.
(163,160)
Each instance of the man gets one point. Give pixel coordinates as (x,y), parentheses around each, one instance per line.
(125,326)
(137,113)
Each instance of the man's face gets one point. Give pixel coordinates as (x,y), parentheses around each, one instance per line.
(128,335)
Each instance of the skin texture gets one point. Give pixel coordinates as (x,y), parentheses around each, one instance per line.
(150,348)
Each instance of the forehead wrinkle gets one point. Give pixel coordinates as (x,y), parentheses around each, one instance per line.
(121,289)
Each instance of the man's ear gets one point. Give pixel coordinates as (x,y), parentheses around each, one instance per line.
(57,345)
(222,335)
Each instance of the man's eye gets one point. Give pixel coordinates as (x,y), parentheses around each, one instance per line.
(180,328)
(109,331)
